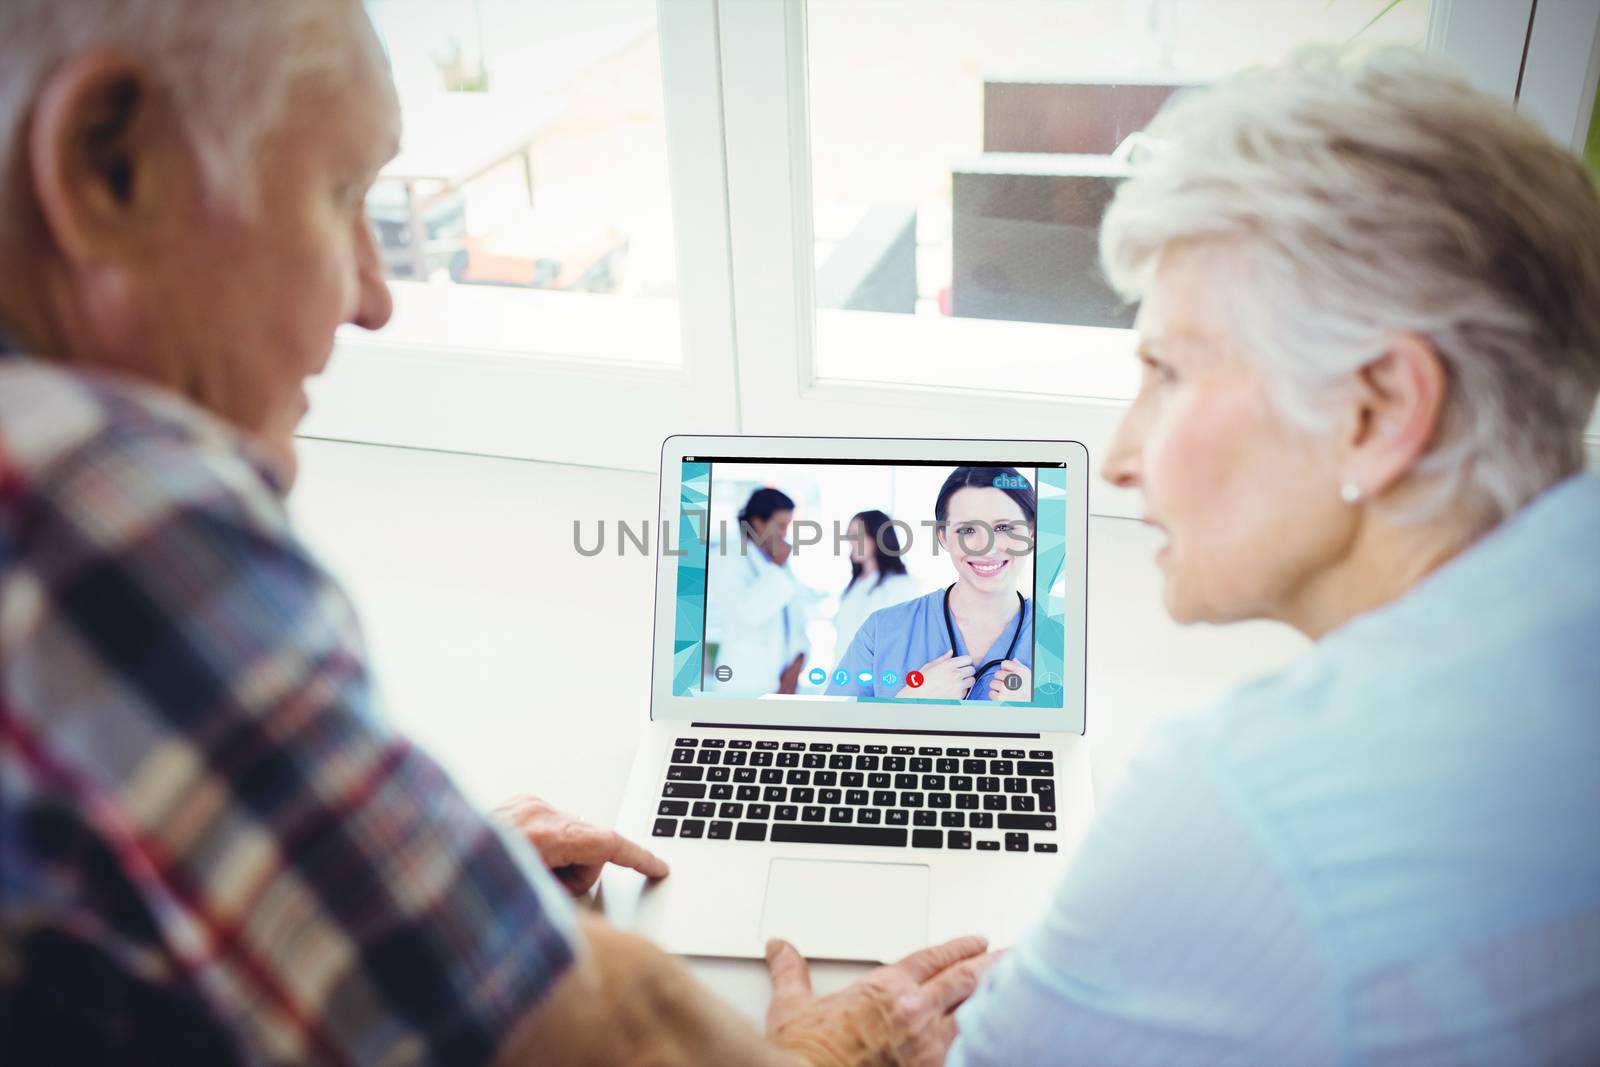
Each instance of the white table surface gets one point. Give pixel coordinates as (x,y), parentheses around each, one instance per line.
(480,617)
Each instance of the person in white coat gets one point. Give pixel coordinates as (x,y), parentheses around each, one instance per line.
(878,575)
(759,606)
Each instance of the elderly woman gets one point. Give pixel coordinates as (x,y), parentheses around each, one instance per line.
(1370,333)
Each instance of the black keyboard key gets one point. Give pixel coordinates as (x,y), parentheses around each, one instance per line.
(719,831)
(939,800)
(912,800)
(684,790)
(897,817)
(924,817)
(985,753)
(692,828)
(683,755)
(1027,822)
(752,831)
(974,766)
(988,785)
(952,818)
(1047,802)
(878,781)
(883,798)
(788,759)
(821,746)
(855,796)
(866,763)
(957,752)
(927,839)
(775,794)
(902,750)
(740,743)
(1016,785)
(716,774)
(760,759)
(794,746)
(1044,846)
(1041,786)
(768,745)
(685,774)
(744,774)
(981,820)
(850,748)
(825,778)
(814,760)
(1033,769)
(929,750)
(852,779)
(1041,753)
(802,795)
(869,815)
(748,792)
(713,742)
(813,814)
(664,828)
(877,750)
(1021,803)
(721,792)
(786,813)
(672,807)
(960,783)
(772,776)
(1013,753)
(735,759)
(798,777)
(830,796)
(988,846)
(894,763)
(947,766)
(967,801)
(839,835)
(687,742)
(994,802)
(920,765)
(703,809)
(1002,767)
(838,815)
(958,839)
(906,781)
(932,782)
(729,810)
(758,811)
(840,762)
(1016,842)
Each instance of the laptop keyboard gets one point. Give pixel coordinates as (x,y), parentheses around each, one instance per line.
(921,796)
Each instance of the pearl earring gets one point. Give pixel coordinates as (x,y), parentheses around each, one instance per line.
(1350,492)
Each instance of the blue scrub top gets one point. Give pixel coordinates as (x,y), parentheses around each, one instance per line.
(904,637)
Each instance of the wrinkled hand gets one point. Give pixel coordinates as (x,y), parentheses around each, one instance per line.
(997,684)
(574,851)
(945,677)
(897,1016)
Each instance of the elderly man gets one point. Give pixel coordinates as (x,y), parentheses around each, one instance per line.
(211,849)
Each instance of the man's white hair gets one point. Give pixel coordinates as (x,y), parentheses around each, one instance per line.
(228,64)
(1379,193)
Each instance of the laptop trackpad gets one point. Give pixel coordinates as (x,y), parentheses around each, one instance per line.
(847,911)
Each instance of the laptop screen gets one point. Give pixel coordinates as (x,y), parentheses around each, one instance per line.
(916,581)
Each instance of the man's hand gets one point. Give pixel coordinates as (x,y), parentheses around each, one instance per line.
(789,680)
(997,684)
(897,1016)
(945,677)
(574,851)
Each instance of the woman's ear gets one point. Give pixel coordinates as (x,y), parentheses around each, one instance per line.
(100,138)
(1398,407)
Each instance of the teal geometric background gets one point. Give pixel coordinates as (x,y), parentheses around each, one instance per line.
(1050,600)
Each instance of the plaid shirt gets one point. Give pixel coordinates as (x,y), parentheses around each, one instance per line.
(211,849)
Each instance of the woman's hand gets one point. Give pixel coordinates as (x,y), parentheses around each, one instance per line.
(945,677)
(997,684)
(897,1016)
(574,851)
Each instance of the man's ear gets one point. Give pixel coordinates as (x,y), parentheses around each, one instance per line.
(100,137)
(1396,413)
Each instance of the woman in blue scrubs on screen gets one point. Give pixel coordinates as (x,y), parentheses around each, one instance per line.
(966,641)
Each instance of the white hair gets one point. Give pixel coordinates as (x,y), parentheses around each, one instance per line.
(1381,193)
(227,64)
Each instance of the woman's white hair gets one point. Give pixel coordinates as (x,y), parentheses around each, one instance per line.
(1376,194)
(228,64)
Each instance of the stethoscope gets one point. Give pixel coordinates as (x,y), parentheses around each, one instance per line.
(950,629)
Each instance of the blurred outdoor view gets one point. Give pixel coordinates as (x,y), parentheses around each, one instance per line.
(963,150)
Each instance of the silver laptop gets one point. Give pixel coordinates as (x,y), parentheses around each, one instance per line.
(867,694)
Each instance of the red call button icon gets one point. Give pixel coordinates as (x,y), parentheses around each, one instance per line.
(914,679)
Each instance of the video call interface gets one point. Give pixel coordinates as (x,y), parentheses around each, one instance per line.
(912,581)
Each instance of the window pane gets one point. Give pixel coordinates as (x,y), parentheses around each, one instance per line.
(533,161)
(963,154)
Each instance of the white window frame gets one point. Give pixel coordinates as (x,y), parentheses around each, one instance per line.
(734,80)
